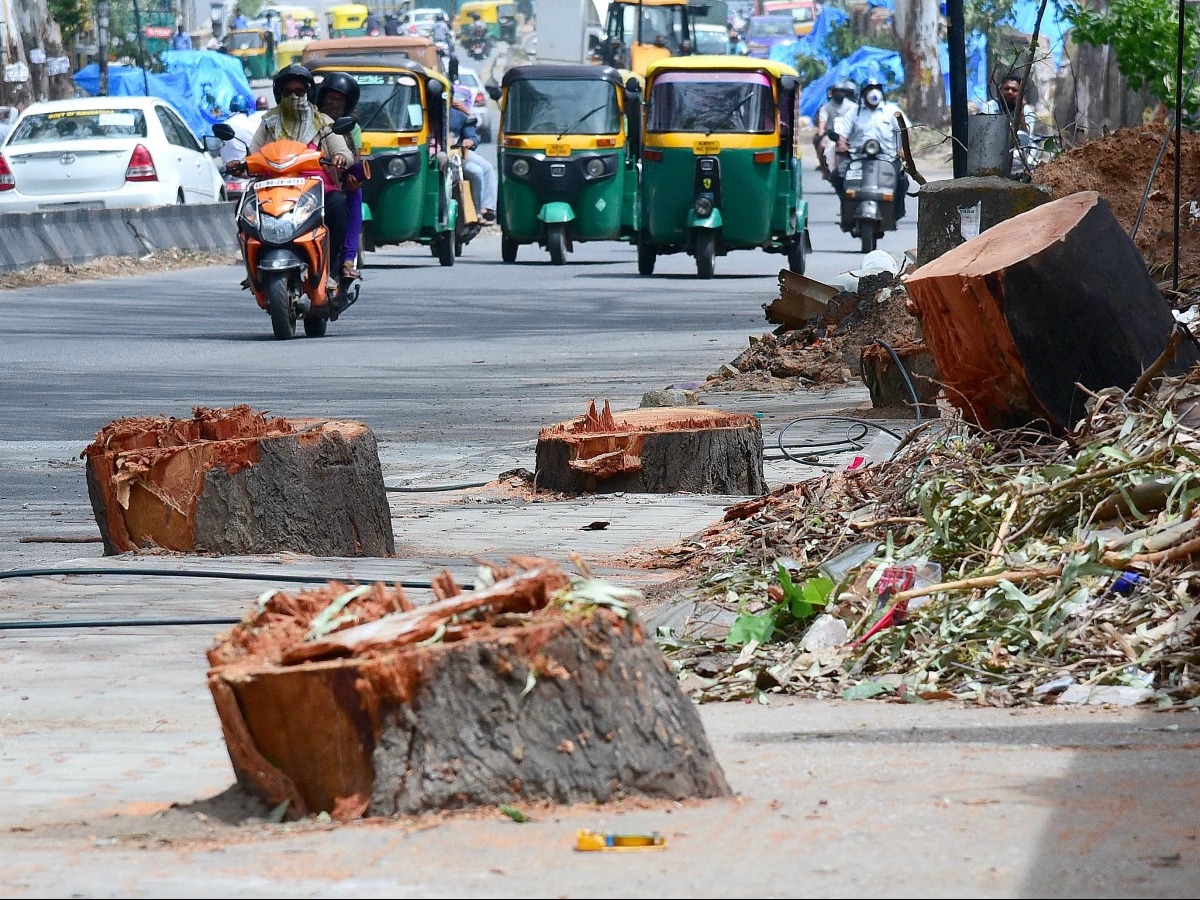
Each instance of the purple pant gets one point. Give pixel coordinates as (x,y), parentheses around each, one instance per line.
(354,223)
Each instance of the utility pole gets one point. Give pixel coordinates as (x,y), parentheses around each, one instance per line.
(102,44)
(956,39)
(141,42)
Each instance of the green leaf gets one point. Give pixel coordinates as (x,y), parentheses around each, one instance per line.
(530,681)
(747,628)
(1114,453)
(866,690)
(817,590)
(513,813)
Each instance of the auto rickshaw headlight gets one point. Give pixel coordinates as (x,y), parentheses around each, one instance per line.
(520,167)
(871,147)
(703,207)
(396,167)
(595,167)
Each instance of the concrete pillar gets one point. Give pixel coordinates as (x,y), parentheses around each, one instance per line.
(951,212)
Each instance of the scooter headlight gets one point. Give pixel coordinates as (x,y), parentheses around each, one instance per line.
(520,167)
(595,167)
(309,202)
(250,210)
(703,207)
(871,147)
(276,230)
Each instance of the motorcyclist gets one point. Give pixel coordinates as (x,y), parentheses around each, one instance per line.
(244,124)
(336,97)
(840,103)
(371,24)
(391,25)
(441,30)
(482,174)
(294,118)
(307,28)
(878,119)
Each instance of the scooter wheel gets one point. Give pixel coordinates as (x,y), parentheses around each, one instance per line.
(279,305)
(314,326)
(866,235)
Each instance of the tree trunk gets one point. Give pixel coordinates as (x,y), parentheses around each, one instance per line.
(234,482)
(492,696)
(30,27)
(886,382)
(1053,297)
(655,451)
(915,25)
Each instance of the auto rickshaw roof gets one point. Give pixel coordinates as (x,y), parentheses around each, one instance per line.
(539,72)
(349,8)
(720,64)
(365,43)
(350,64)
(659,3)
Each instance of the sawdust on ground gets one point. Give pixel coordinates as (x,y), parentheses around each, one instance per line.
(115,267)
(1117,166)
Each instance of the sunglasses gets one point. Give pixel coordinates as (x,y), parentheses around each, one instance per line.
(297,91)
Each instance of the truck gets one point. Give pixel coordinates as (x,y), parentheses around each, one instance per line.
(569,31)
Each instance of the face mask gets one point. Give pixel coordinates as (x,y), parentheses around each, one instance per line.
(296,104)
(873,97)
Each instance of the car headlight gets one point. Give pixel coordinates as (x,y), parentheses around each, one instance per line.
(520,167)
(276,230)
(396,167)
(595,167)
(871,147)
(703,207)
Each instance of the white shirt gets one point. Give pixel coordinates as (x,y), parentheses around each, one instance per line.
(879,123)
(244,128)
(1027,113)
(831,111)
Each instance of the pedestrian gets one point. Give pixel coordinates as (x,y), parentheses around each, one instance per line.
(239,18)
(182,40)
(290,27)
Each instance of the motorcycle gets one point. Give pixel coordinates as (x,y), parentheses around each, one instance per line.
(479,46)
(869,187)
(467,225)
(283,238)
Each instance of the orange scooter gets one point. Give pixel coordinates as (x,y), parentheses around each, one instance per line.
(281,229)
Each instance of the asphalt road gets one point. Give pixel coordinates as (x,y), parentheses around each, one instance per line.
(111,758)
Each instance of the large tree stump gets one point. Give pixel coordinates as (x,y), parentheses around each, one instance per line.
(235,482)
(492,696)
(1054,296)
(653,451)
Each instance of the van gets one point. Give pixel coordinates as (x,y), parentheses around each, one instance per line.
(803,13)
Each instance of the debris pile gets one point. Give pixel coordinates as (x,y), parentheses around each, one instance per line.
(1118,167)
(825,350)
(1001,568)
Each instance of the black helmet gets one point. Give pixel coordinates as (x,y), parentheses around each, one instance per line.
(344,84)
(295,70)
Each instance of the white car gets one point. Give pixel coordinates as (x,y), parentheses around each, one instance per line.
(107,153)
(479,103)
(420,21)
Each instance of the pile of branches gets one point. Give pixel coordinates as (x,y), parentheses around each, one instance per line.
(995,567)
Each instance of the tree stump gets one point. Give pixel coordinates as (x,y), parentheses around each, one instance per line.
(514,693)
(1054,296)
(236,482)
(885,381)
(653,451)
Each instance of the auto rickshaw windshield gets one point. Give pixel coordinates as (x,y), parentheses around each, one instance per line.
(708,102)
(245,40)
(561,106)
(389,102)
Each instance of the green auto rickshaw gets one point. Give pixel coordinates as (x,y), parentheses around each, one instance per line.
(404,113)
(720,169)
(255,49)
(567,157)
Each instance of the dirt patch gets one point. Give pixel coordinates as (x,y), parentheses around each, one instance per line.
(115,267)
(1117,166)
(826,350)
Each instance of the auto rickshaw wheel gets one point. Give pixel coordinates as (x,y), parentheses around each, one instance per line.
(445,248)
(459,243)
(556,243)
(706,251)
(508,249)
(866,235)
(795,255)
(279,305)
(646,256)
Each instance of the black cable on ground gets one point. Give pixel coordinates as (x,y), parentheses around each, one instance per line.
(202,573)
(438,487)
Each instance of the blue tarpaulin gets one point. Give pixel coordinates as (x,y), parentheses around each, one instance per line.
(199,83)
(813,43)
(864,63)
(977,67)
(1054,24)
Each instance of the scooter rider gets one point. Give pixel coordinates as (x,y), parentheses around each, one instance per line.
(840,103)
(873,118)
(336,97)
(295,118)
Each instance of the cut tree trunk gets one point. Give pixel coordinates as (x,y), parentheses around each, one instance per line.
(486,697)
(1053,298)
(653,451)
(235,482)
(887,385)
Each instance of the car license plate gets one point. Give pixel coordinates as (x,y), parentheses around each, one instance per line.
(558,150)
(704,148)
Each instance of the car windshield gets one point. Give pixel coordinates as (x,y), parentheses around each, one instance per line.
(712,42)
(561,106)
(79,125)
(772,26)
(707,102)
(389,102)
(245,40)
